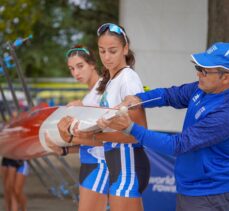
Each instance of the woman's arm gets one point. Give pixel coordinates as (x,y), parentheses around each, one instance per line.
(85,138)
(88,138)
(136,115)
(58,150)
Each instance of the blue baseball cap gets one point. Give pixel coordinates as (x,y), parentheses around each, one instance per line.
(215,56)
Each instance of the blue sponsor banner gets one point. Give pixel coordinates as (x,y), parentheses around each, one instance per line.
(160,193)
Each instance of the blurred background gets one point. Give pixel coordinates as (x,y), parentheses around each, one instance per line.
(163,34)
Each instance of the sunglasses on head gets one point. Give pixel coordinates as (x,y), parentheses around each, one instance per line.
(75,50)
(205,73)
(112,28)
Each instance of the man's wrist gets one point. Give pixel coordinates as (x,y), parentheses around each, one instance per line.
(128,130)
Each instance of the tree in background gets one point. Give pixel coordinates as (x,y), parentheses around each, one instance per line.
(218,21)
(56,25)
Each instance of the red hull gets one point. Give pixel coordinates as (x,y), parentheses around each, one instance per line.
(20,140)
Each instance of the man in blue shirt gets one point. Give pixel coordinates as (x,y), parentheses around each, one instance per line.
(202,148)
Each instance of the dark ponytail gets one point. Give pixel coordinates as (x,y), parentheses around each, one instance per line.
(105,78)
(130,59)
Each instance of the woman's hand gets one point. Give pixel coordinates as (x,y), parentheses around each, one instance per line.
(83,134)
(63,126)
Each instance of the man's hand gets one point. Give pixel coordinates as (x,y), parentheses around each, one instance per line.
(129,101)
(119,122)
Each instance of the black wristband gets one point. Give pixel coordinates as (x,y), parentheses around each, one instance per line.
(70,139)
(65,151)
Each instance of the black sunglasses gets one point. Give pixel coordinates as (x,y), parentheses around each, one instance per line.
(205,73)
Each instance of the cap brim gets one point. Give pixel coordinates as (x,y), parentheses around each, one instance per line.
(205,60)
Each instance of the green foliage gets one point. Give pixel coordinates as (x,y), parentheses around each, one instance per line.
(56,25)
(16,18)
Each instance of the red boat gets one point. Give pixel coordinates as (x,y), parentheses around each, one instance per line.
(19,139)
(24,137)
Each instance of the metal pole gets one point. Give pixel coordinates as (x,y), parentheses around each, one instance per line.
(3,115)
(67,168)
(10,84)
(21,76)
(5,102)
(2,112)
(54,183)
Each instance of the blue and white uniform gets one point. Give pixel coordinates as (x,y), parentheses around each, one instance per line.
(202,149)
(94,174)
(127,163)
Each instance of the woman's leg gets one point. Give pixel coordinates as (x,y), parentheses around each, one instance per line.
(6,187)
(118,203)
(91,200)
(129,176)
(11,176)
(18,191)
(93,186)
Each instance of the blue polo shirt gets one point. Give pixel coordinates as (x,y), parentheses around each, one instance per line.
(202,148)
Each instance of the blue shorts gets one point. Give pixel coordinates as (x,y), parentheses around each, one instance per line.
(23,169)
(95,177)
(129,170)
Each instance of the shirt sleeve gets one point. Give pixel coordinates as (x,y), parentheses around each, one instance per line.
(176,96)
(213,129)
(131,84)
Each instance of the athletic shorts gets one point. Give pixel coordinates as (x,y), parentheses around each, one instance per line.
(95,176)
(129,170)
(21,166)
(6,162)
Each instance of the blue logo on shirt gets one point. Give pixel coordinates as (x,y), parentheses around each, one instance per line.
(104,101)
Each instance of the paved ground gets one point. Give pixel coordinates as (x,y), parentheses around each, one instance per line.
(39,198)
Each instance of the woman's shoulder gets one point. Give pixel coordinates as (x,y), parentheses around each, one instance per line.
(131,81)
(131,75)
(129,72)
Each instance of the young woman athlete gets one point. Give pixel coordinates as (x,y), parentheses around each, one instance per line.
(93,170)
(127,163)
